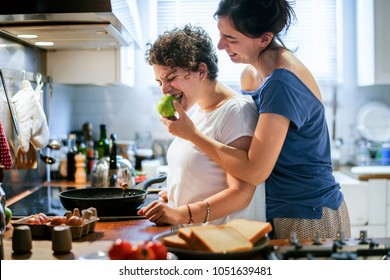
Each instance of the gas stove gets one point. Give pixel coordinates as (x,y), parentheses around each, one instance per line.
(41,200)
(45,199)
(339,249)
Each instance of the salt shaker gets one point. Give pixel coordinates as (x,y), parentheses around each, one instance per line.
(61,239)
(22,240)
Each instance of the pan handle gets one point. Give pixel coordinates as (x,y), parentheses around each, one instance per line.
(144,185)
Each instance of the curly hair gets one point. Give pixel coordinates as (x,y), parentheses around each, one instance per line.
(184,48)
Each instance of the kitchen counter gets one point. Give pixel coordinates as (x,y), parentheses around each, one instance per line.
(101,239)
(365,176)
(138,230)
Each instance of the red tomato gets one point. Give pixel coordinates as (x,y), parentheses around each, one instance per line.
(146,252)
(159,249)
(120,250)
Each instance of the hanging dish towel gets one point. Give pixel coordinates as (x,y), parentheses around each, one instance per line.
(31,118)
(39,89)
(5,154)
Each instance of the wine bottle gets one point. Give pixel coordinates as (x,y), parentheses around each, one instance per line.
(103,145)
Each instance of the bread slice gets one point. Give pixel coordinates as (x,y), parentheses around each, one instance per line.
(219,239)
(175,241)
(252,230)
(185,233)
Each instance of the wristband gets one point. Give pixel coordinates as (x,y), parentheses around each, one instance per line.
(207,212)
(189,212)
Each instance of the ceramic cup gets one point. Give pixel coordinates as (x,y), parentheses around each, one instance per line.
(61,238)
(22,240)
(150,167)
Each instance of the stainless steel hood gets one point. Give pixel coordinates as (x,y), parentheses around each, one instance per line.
(72,24)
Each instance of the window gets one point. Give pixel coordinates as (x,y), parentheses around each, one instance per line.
(313,35)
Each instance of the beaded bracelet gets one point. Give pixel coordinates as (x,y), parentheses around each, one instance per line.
(189,212)
(207,212)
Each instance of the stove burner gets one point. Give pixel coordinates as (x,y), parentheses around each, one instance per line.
(43,200)
(339,249)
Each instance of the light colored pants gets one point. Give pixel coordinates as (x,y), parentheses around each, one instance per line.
(328,227)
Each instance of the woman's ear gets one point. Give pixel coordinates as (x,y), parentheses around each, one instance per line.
(265,39)
(202,69)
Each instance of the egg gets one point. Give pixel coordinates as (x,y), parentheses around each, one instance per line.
(58,220)
(75,221)
(43,218)
(32,221)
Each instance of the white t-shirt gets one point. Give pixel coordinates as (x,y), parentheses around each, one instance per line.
(193,177)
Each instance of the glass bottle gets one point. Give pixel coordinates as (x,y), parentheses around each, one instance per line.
(113,167)
(103,145)
(70,157)
(87,127)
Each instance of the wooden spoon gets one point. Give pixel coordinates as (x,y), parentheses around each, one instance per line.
(26,160)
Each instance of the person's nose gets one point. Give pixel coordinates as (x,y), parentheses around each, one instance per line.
(166,88)
(221,44)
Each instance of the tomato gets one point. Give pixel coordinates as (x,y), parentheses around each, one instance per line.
(134,253)
(146,252)
(140,178)
(120,250)
(159,249)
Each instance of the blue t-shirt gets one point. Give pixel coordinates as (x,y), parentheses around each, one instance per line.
(302,180)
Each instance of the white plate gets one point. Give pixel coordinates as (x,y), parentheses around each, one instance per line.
(101,255)
(373,122)
(98,255)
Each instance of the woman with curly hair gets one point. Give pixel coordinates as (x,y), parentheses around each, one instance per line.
(198,190)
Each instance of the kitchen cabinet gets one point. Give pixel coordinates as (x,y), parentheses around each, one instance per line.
(94,67)
(368,205)
(388,209)
(373,42)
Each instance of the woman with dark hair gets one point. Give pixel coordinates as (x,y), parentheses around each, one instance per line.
(290,149)
(198,190)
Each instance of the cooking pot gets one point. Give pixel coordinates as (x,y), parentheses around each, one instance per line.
(109,201)
(104,176)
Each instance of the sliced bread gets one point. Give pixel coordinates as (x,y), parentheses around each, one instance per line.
(252,230)
(219,239)
(175,241)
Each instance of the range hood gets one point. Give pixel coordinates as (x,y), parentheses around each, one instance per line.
(72,24)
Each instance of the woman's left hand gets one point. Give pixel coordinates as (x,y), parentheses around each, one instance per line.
(161,214)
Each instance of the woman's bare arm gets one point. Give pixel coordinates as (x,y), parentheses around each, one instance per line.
(235,197)
(253,166)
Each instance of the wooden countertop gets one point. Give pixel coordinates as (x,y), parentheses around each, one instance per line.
(105,233)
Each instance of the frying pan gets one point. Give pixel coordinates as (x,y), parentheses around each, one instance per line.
(109,201)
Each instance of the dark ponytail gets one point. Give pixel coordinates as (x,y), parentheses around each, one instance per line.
(255,17)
